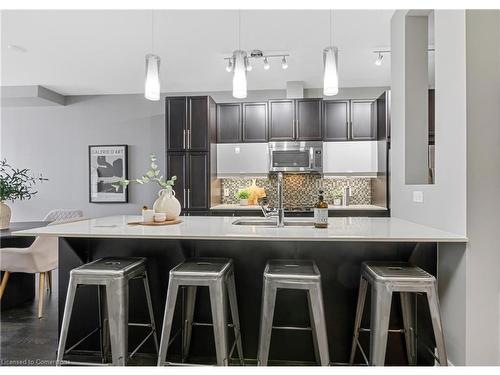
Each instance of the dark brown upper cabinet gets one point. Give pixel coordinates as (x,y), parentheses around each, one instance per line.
(229,123)
(255,122)
(308,119)
(176,123)
(241,122)
(281,120)
(336,120)
(187,123)
(346,120)
(198,123)
(295,120)
(363,120)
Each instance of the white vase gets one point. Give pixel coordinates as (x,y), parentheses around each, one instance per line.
(168,204)
(243,202)
(5,214)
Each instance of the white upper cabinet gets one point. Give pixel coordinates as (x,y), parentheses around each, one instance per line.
(350,157)
(242,159)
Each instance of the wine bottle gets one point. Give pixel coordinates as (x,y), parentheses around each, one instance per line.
(321,212)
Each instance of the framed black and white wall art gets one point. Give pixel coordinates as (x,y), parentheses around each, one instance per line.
(107,166)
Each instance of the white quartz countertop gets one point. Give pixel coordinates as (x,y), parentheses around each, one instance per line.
(330,207)
(366,229)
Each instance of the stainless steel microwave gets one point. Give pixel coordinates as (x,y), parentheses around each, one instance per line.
(296,157)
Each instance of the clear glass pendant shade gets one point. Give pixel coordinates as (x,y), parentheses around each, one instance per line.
(239,74)
(330,75)
(152,83)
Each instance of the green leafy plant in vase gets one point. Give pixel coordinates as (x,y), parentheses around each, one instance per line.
(166,202)
(243,195)
(15,184)
(337,199)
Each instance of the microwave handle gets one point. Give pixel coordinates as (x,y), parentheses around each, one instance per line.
(311,158)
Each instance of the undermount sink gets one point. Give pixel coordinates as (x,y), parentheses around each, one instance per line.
(273,223)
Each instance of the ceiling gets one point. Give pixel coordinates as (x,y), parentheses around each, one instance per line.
(80,52)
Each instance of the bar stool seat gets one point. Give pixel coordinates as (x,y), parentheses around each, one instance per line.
(218,275)
(293,274)
(386,278)
(112,276)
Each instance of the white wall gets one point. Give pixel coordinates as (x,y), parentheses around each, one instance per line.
(444,203)
(483,187)
(54,141)
(464,196)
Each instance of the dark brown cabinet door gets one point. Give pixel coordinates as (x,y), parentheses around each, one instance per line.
(254,122)
(363,120)
(197,194)
(336,120)
(176,166)
(176,120)
(281,120)
(198,123)
(229,123)
(308,117)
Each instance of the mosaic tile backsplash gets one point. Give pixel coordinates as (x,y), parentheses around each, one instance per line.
(302,190)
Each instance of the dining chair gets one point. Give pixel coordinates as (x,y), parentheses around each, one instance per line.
(40,258)
(63,214)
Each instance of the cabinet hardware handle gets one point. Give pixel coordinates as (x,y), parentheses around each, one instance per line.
(184,138)
(189,138)
(188,194)
(184,200)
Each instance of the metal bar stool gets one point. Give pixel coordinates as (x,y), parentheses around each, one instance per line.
(112,276)
(218,275)
(293,274)
(386,278)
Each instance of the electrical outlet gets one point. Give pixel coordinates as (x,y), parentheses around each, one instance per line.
(418,196)
(226,192)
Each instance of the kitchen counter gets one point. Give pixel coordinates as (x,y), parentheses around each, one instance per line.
(330,207)
(221,228)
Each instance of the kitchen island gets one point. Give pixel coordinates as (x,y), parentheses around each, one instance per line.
(338,251)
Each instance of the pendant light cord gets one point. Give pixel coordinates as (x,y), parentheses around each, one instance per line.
(331,27)
(152,31)
(239,29)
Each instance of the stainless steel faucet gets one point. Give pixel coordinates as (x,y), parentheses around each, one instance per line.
(278,212)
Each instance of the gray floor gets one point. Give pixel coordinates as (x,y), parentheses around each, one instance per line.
(27,340)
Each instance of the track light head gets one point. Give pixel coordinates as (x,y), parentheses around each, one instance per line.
(229,67)
(378,61)
(266,64)
(284,63)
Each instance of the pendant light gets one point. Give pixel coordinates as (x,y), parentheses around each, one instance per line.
(330,66)
(240,67)
(152,82)
(239,74)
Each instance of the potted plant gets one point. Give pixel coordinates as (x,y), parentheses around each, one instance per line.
(243,197)
(166,202)
(337,199)
(15,184)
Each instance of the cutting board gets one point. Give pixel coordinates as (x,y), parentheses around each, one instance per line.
(156,223)
(254,193)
